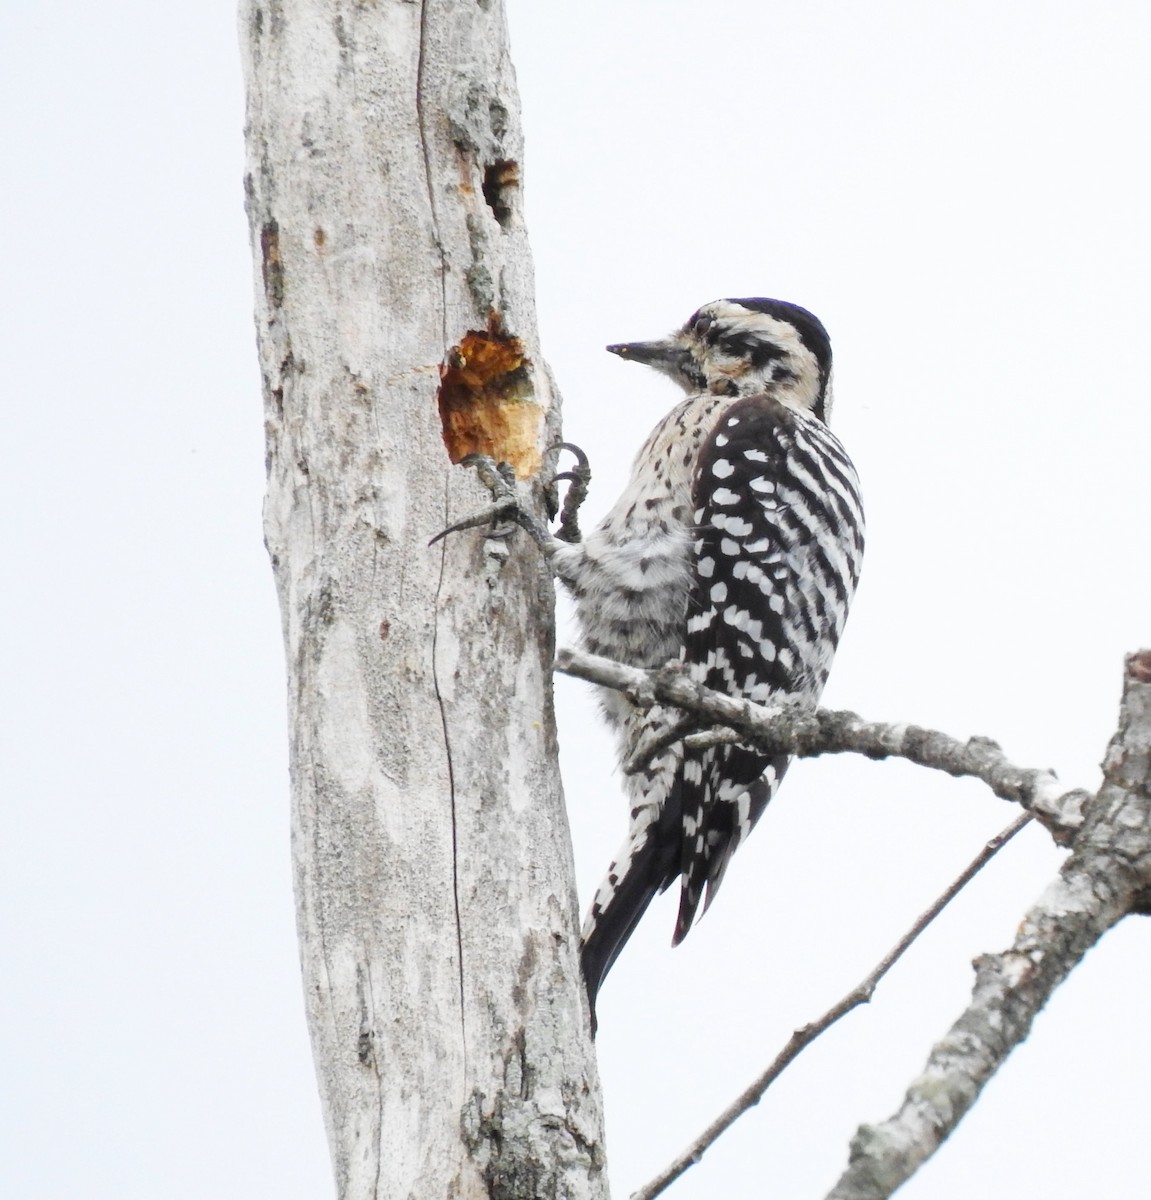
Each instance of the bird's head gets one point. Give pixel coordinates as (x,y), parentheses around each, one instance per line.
(744,348)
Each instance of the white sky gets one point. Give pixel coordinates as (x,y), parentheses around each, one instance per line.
(961,193)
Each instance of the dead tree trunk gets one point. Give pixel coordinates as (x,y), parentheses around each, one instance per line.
(435,902)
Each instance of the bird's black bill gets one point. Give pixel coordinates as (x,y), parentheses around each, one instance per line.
(644,352)
(665,356)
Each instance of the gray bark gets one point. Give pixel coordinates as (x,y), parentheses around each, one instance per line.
(396,328)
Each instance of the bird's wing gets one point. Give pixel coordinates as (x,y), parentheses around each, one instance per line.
(779,540)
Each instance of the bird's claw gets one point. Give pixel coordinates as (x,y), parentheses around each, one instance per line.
(500,479)
(488,517)
(578,478)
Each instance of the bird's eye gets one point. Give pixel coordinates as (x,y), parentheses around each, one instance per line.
(702,325)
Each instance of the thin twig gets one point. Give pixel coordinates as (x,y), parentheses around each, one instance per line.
(648,749)
(792,728)
(682,731)
(1107,875)
(804,1036)
(720,735)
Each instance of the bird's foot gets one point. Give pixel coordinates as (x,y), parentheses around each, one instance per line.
(507,511)
(578,479)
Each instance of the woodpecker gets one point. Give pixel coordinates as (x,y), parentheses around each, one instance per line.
(735,548)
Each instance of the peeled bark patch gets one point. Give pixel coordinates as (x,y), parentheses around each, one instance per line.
(273,263)
(487,402)
(501,180)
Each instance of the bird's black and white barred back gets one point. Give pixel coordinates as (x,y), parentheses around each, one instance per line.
(735,548)
(779,540)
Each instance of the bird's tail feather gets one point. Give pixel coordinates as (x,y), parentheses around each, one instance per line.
(647,863)
(720,822)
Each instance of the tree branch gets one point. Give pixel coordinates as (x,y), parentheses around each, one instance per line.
(803,1037)
(790,728)
(1107,875)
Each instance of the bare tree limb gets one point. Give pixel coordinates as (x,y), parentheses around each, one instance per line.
(803,1037)
(1107,875)
(433,872)
(796,729)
